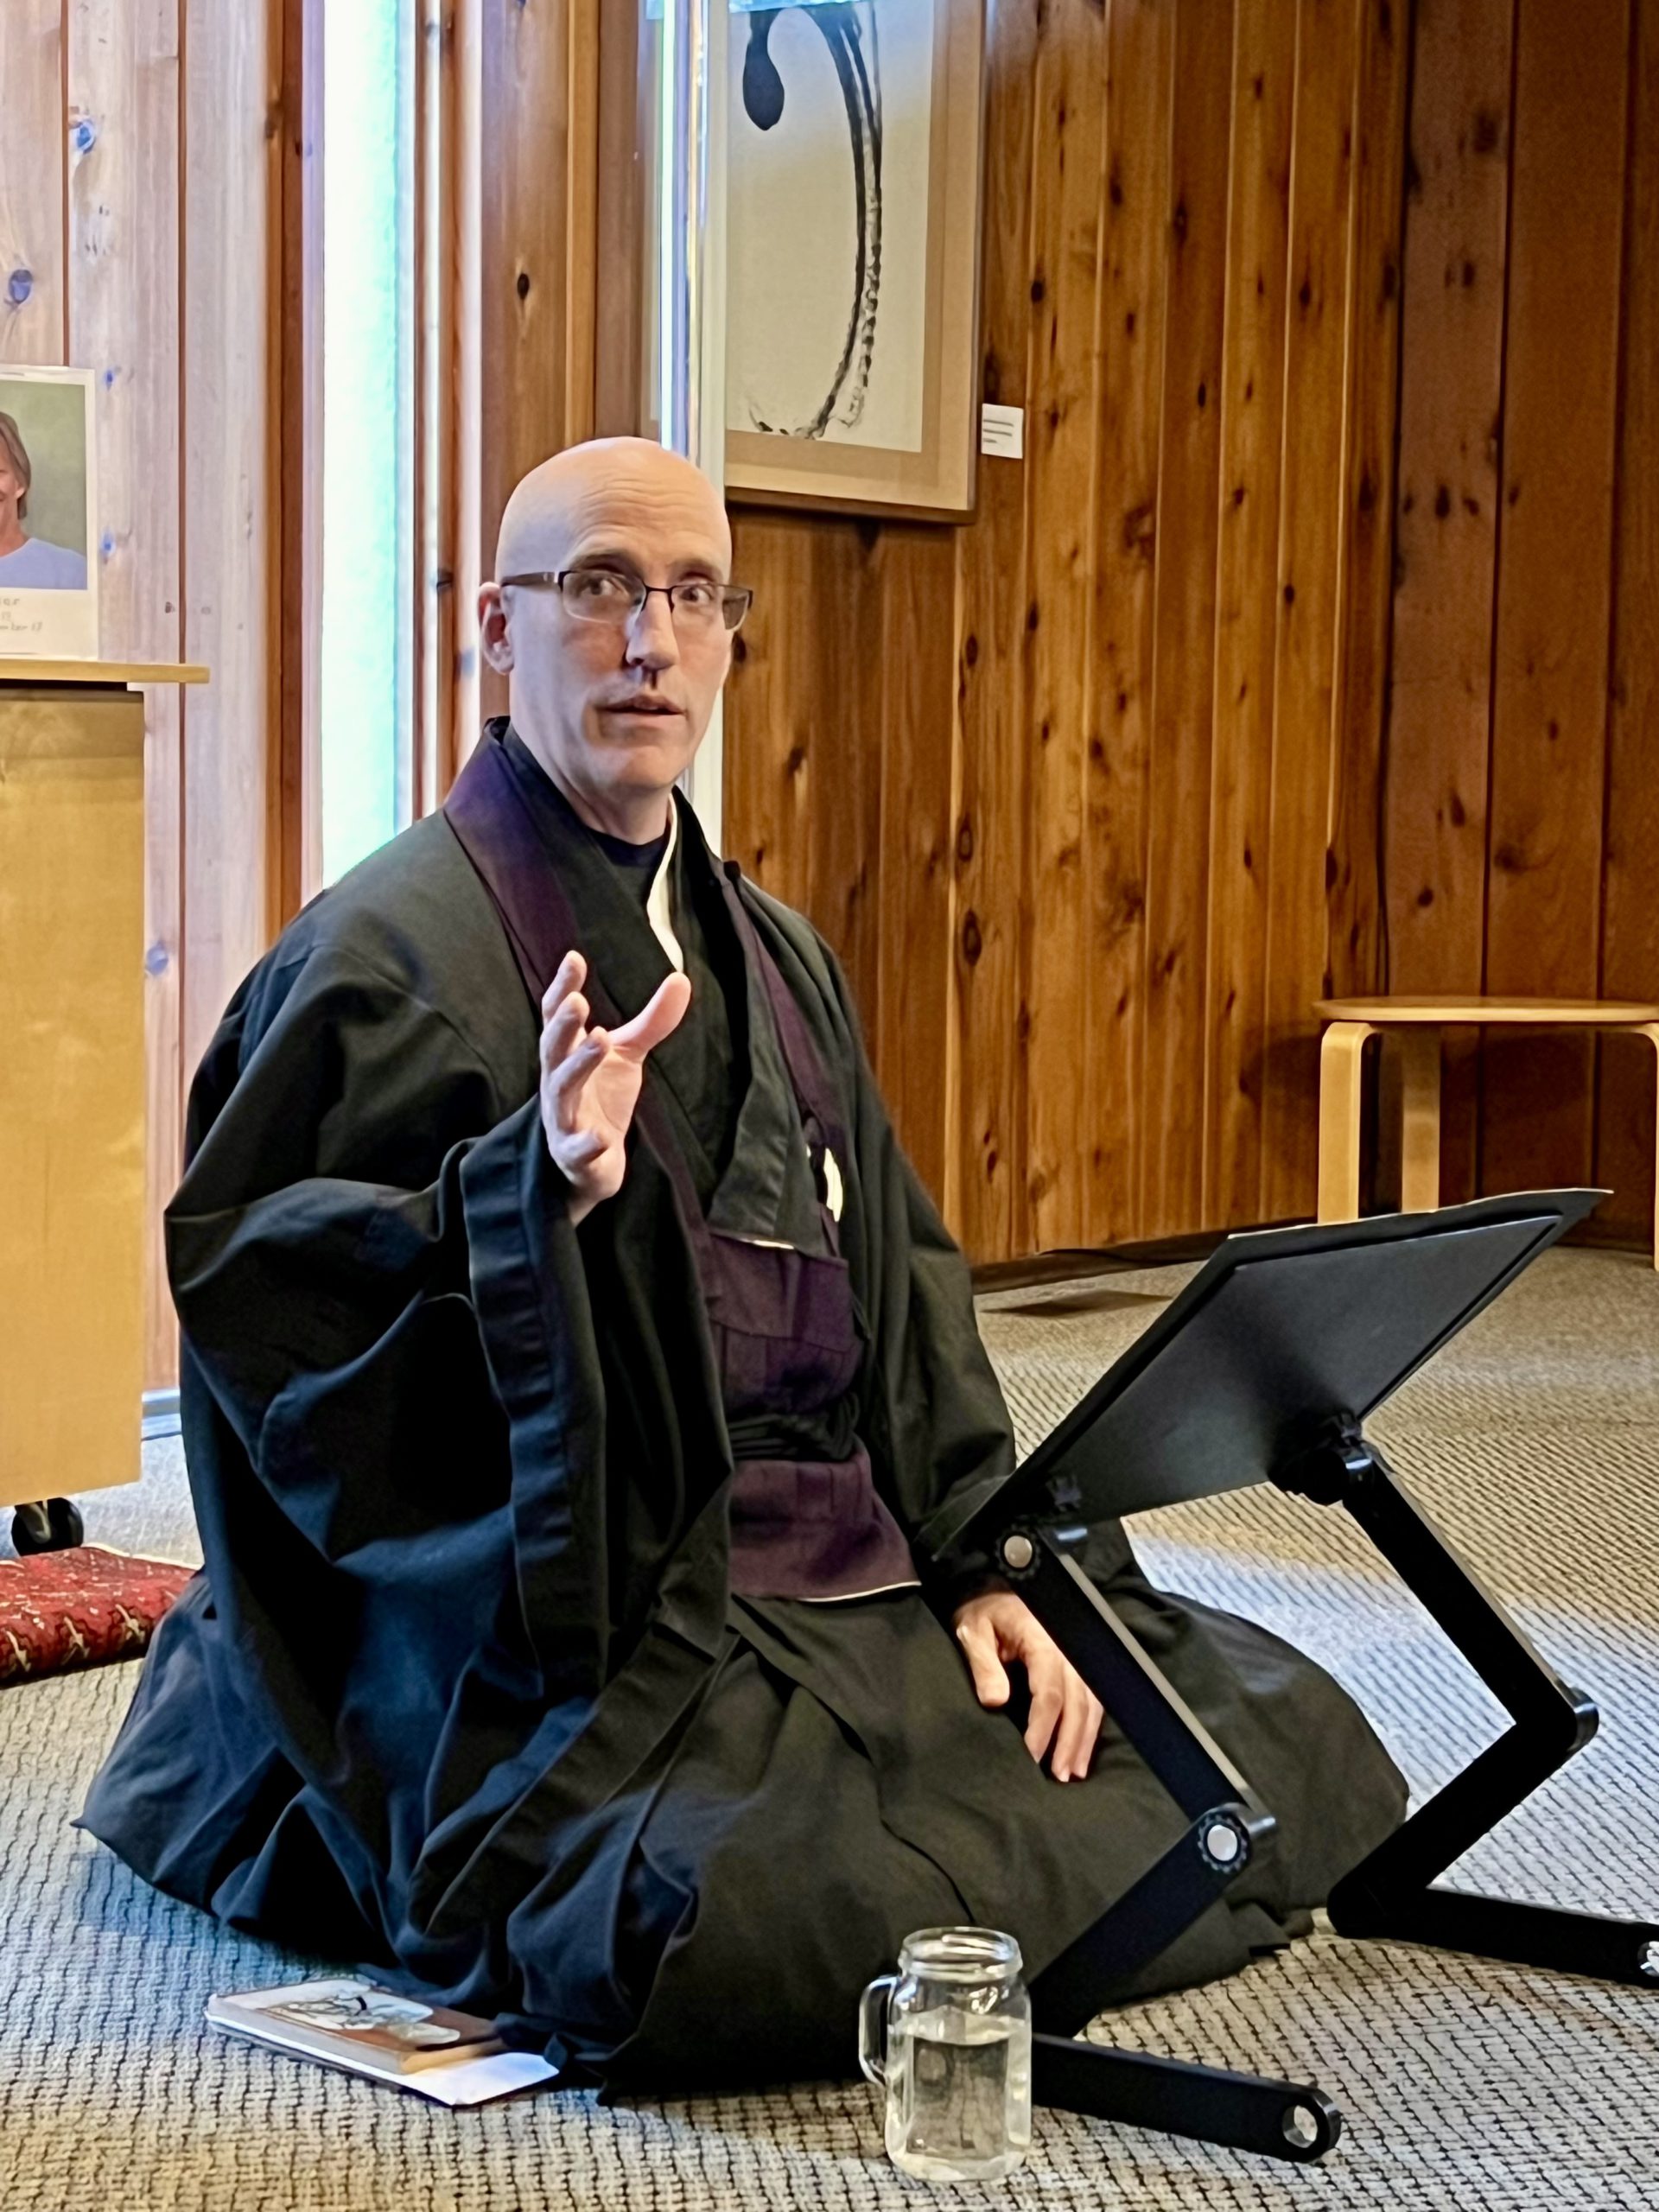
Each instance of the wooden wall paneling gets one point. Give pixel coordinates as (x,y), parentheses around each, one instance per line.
(803,741)
(1060,460)
(834,763)
(33,217)
(619,236)
(912,735)
(1355,923)
(581,218)
(437,335)
(524,277)
(123,78)
(1184,628)
(296,827)
(1252,403)
(1554,572)
(1630,950)
(1309,594)
(230,215)
(1446,530)
(768,716)
(988,1210)
(474,542)
(1128,340)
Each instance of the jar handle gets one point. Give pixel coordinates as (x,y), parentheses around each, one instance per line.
(873,2029)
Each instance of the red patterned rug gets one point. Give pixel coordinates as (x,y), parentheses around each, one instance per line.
(78,1608)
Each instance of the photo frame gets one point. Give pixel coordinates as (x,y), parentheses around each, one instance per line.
(48,515)
(855,154)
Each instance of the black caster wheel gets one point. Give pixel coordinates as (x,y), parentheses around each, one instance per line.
(54,1526)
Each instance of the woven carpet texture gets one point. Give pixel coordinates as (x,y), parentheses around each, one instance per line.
(1534,1439)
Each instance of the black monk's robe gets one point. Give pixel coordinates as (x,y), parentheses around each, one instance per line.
(463,1693)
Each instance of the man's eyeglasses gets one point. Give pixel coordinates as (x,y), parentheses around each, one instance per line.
(697,606)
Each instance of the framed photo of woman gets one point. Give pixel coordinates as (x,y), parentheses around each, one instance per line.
(49,505)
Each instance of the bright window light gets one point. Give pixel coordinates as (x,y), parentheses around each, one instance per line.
(366,654)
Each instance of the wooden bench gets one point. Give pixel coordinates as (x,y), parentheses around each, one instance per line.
(1418,1023)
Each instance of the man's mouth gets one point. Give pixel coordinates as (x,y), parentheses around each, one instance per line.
(639,707)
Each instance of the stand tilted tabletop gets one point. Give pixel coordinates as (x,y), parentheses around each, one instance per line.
(1265,1369)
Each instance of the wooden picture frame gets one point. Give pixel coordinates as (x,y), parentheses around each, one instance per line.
(933,477)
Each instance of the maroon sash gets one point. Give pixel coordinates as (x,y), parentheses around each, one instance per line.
(783,1321)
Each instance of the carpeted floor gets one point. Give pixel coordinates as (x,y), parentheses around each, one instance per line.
(1535,1440)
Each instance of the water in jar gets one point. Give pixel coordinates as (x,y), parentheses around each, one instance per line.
(959,2102)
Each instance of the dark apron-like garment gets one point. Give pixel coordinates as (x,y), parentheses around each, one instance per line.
(783,1323)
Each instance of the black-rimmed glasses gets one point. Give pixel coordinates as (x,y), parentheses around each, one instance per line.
(697,606)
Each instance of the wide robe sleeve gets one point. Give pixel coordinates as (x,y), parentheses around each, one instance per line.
(376,1274)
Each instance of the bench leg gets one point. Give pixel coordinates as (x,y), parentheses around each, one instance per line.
(1420,1145)
(1651,1031)
(1342,1051)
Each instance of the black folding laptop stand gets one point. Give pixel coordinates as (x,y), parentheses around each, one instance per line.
(1264,1369)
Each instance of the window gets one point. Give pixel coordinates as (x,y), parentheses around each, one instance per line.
(366,666)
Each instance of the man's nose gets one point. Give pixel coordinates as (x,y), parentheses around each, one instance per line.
(652,639)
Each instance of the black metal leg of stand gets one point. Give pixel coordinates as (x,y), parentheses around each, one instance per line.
(1226,1827)
(1139,2090)
(1390,1893)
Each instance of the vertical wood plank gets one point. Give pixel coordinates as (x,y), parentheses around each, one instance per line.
(1128,340)
(1309,594)
(474,547)
(123,75)
(803,741)
(230,186)
(1252,401)
(524,275)
(768,718)
(297,824)
(836,760)
(437,381)
(33,214)
(619,250)
(1355,925)
(581,226)
(1184,628)
(911,734)
(1554,567)
(1447,526)
(1060,448)
(989,949)
(1630,951)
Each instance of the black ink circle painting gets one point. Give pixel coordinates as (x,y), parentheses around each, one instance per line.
(809,200)
(852,195)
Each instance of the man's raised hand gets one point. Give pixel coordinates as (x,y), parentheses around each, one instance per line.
(591,1078)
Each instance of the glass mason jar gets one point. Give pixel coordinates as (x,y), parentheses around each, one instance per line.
(948,2038)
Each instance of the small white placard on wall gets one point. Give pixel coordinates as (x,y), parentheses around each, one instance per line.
(1002,431)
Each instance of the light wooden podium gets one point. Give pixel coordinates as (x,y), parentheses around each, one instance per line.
(71,1081)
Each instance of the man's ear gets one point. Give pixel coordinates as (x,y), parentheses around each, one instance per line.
(494,638)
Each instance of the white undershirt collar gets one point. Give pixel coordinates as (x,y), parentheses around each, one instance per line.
(659,910)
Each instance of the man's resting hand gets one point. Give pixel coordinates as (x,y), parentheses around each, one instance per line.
(591,1078)
(997,1626)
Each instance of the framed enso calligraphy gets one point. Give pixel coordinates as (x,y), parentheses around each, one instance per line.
(854,136)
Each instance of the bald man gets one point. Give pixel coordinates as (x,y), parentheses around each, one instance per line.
(569,1357)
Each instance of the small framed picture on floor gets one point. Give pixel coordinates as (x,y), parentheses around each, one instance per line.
(49,507)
